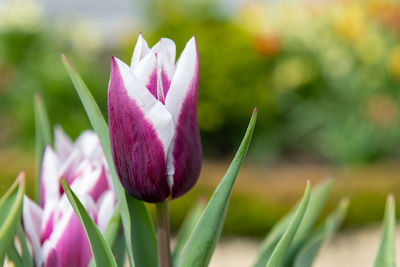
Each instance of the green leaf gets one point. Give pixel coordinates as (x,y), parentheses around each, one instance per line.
(119,250)
(112,230)
(317,200)
(386,252)
(14,256)
(10,214)
(278,254)
(309,251)
(136,215)
(101,251)
(202,241)
(27,260)
(43,138)
(187,228)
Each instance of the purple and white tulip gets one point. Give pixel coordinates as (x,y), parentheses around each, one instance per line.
(152,113)
(55,233)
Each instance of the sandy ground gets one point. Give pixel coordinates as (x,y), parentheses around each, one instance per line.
(350,248)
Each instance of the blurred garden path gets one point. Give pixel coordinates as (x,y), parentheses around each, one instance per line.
(348,248)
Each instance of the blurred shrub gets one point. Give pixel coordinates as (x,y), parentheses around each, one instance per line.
(30,62)
(324,77)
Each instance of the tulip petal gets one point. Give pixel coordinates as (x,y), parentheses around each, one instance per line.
(62,143)
(140,51)
(141,130)
(50,180)
(32,217)
(166,47)
(68,244)
(105,210)
(88,143)
(146,72)
(184,160)
(185,79)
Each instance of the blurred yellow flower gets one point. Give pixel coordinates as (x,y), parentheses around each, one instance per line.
(394,61)
(370,47)
(350,21)
(292,73)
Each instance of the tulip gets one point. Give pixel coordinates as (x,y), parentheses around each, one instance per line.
(54,231)
(152,112)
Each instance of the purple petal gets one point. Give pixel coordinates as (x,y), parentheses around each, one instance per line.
(141,131)
(184,160)
(68,244)
(32,219)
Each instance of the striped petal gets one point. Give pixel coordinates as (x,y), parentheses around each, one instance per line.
(141,130)
(32,219)
(68,245)
(146,72)
(185,155)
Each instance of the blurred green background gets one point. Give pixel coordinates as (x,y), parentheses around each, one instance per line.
(325,76)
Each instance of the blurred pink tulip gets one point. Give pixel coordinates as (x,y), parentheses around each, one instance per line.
(55,233)
(152,114)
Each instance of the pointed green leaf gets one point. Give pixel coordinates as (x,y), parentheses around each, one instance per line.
(43,137)
(101,251)
(309,251)
(386,252)
(277,258)
(14,256)
(10,214)
(202,241)
(119,251)
(112,230)
(136,215)
(317,201)
(187,227)
(27,260)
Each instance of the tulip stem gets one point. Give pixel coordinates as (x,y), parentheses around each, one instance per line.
(163,235)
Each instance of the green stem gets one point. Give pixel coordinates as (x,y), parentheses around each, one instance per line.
(163,235)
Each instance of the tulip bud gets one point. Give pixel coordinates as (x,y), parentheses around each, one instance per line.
(55,233)
(152,113)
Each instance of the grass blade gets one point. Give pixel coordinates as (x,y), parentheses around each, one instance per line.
(202,241)
(386,252)
(132,217)
(309,251)
(278,254)
(187,227)
(101,251)
(10,214)
(42,136)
